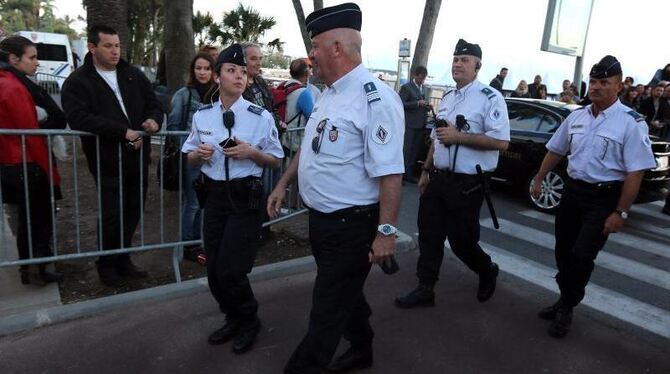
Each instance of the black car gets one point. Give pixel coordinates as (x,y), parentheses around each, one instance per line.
(532,124)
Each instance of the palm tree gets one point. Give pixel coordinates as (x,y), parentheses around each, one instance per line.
(201,24)
(425,40)
(300,14)
(179,48)
(113,13)
(243,24)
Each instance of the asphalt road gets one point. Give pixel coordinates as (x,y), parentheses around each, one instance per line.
(630,286)
(622,326)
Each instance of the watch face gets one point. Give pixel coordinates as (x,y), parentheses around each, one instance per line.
(386,229)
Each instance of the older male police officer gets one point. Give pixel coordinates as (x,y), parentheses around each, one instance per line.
(233,140)
(350,166)
(452,192)
(608,150)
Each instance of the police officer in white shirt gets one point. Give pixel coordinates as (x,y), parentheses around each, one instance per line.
(349,169)
(233,140)
(608,150)
(452,191)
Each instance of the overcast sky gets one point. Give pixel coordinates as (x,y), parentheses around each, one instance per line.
(509,32)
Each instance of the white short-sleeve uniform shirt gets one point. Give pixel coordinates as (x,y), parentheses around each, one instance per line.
(604,148)
(253,125)
(354,136)
(485,111)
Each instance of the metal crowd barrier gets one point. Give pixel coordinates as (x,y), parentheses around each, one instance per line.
(74,248)
(51,83)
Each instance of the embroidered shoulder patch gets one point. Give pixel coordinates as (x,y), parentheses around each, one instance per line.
(255,109)
(381,135)
(371,92)
(204,107)
(637,116)
(490,94)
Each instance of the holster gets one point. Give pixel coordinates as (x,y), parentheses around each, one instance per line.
(200,188)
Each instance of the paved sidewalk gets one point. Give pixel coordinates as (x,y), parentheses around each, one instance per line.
(459,335)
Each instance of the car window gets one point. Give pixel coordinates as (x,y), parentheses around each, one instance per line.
(523,118)
(51,52)
(549,123)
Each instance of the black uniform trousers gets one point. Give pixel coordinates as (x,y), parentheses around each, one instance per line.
(230,234)
(126,192)
(341,242)
(449,208)
(579,234)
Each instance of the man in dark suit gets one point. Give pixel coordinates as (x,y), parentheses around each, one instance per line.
(499,81)
(534,87)
(413,96)
(657,112)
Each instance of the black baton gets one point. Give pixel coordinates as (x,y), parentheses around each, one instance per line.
(487,196)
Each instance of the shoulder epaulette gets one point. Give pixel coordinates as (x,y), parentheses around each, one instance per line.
(206,106)
(255,109)
(371,92)
(638,117)
(447,93)
(488,92)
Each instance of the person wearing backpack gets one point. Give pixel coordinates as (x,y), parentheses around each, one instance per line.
(294,103)
(186,101)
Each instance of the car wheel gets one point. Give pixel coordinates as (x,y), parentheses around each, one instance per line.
(553,186)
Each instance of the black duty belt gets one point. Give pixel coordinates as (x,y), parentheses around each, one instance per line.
(347,212)
(450,174)
(595,186)
(232,182)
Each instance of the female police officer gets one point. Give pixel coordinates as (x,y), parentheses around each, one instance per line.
(232,139)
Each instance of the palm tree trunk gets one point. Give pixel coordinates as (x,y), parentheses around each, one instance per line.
(425,40)
(112,13)
(301,22)
(179,44)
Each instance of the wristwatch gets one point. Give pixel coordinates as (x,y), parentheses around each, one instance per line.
(622,213)
(386,229)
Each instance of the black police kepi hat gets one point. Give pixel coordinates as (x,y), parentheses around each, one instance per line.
(233,54)
(609,66)
(347,15)
(465,48)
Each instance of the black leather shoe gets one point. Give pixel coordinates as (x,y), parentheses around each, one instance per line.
(49,276)
(561,325)
(549,313)
(246,336)
(350,360)
(666,209)
(224,334)
(130,270)
(109,276)
(423,295)
(487,283)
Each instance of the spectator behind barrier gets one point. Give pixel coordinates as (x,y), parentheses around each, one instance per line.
(26,106)
(521,90)
(199,89)
(114,100)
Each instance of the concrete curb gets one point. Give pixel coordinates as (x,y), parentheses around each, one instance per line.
(62,313)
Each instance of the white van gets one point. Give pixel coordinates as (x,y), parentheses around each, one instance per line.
(54,53)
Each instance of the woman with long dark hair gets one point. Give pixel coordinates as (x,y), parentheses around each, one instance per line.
(26,106)
(198,91)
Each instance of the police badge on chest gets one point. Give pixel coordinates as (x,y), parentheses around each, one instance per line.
(332,134)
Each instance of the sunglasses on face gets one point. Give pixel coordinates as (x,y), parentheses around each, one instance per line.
(318,137)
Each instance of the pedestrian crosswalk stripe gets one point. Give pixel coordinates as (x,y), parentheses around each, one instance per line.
(605,260)
(648,228)
(652,211)
(635,312)
(624,239)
